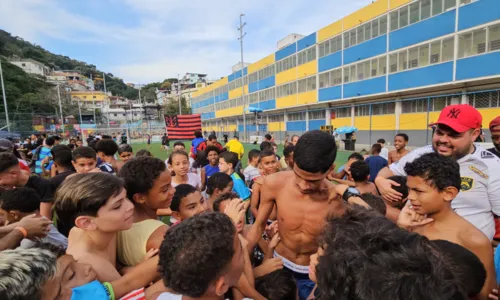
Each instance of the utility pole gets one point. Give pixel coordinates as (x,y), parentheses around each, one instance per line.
(179,92)
(242,35)
(93,101)
(4,98)
(106,94)
(60,106)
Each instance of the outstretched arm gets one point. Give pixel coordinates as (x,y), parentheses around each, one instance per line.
(267,201)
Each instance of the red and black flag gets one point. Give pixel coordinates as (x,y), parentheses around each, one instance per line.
(182,127)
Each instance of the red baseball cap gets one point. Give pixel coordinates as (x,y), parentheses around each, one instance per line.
(495,122)
(460,117)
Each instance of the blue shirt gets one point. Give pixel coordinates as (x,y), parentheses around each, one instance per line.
(376,163)
(44,152)
(239,187)
(209,171)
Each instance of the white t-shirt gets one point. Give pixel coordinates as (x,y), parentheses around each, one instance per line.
(385,153)
(251,173)
(193,179)
(479,195)
(191,161)
(170,296)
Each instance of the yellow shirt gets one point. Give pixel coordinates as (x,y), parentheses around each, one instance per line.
(236,147)
(131,245)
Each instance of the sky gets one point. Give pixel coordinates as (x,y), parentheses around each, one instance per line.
(142,41)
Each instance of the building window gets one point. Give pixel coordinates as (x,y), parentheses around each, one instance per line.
(317,115)
(414,106)
(485,99)
(277,118)
(383,108)
(362,110)
(331,78)
(115,115)
(300,116)
(343,112)
(363,33)
(306,56)
(364,70)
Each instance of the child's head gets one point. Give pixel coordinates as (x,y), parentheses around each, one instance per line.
(277,285)
(376,149)
(359,171)
(148,182)
(187,202)
(93,202)
(198,134)
(63,160)
(219,183)
(79,143)
(143,152)
(84,159)
(17,203)
(227,162)
(9,170)
(402,188)
(253,157)
(381,142)
(375,202)
(179,146)
(125,152)
(400,141)
(210,253)
(275,147)
(265,145)
(106,148)
(288,154)
(268,137)
(433,181)
(179,162)
(355,157)
(221,203)
(268,162)
(212,155)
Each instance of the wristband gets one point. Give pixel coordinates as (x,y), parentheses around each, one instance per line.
(109,290)
(23,231)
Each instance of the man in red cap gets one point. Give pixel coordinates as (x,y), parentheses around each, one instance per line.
(456,130)
(495,136)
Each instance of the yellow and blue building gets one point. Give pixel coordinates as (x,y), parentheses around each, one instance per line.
(389,67)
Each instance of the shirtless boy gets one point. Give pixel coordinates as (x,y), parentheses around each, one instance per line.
(400,143)
(303,199)
(434,181)
(268,164)
(360,173)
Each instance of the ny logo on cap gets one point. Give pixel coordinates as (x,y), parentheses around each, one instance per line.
(453,114)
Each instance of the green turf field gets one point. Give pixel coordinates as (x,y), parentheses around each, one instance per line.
(155,149)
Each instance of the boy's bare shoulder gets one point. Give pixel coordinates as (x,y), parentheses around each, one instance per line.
(277,180)
(473,237)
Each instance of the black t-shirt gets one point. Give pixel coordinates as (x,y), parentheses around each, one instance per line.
(57,180)
(42,186)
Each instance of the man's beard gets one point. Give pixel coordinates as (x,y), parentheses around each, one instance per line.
(497,146)
(456,153)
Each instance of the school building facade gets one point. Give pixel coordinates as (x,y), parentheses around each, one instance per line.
(389,67)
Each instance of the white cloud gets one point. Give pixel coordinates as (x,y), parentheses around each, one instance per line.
(172,37)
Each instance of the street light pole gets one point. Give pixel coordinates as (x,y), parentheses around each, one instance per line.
(242,35)
(4,98)
(179,93)
(60,106)
(106,94)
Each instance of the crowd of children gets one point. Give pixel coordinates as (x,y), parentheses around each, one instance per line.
(103,222)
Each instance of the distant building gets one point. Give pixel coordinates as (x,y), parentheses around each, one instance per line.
(31,66)
(192,78)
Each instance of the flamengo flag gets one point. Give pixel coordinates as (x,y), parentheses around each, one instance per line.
(182,127)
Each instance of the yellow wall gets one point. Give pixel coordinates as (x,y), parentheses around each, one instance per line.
(261,64)
(366,13)
(339,122)
(276,126)
(385,122)
(362,123)
(415,121)
(235,93)
(232,128)
(286,101)
(307,69)
(488,115)
(307,97)
(329,31)
(234,111)
(286,76)
(397,3)
(88,96)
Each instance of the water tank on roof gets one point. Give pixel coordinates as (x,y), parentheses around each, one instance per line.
(289,39)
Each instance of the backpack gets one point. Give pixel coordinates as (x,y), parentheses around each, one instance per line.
(34,158)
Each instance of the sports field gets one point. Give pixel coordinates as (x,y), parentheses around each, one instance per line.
(155,149)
